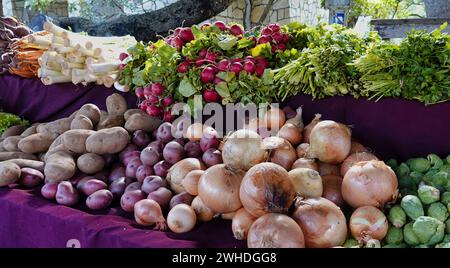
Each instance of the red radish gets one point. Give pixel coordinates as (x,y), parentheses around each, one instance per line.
(211,56)
(221,25)
(183,67)
(223,65)
(122,66)
(285,38)
(249,67)
(210,95)
(207,75)
(177,43)
(236,68)
(236,30)
(236,60)
(148,90)
(153,99)
(186,34)
(217,80)
(259,70)
(281,47)
(139,91)
(158,89)
(202,53)
(274,27)
(153,110)
(168,117)
(167,101)
(262,61)
(123,56)
(277,37)
(177,31)
(266,31)
(275,48)
(264,39)
(250,58)
(200,62)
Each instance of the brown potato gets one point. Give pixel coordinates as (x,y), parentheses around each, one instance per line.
(144,122)
(2,149)
(90,163)
(60,166)
(81,122)
(16,155)
(130,112)
(28,163)
(91,111)
(110,121)
(13,131)
(57,127)
(108,141)
(75,140)
(9,173)
(116,104)
(30,131)
(10,143)
(36,143)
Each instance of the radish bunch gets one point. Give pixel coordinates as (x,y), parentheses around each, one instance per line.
(272,34)
(154,102)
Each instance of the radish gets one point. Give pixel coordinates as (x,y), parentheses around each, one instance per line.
(236,68)
(262,61)
(177,31)
(183,67)
(217,80)
(277,37)
(123,56)
(274,27)
(186,34)
(236,30)
(259,70)
(167,101)
(122,66)
(153,110)
(285,38)
(210,95)
(282,47)
(223,65)
(202,53)
(264,39)
(249,67)
(177,43)
(148,90)
(158,89)
(266,31)
(152,99)
(199,62)
(250,58)
(236,60)
(207,75)
(211,56)
(168,117)
(139,91)
(221,25)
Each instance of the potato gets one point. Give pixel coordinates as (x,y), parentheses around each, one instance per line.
(2,149)
(30,177)
(117,171)
(36,143)
(59,166)
(91,111)
(110,121)
(133,186)
(99,200)
(307,182)
(117,187)
(108,141)
(13,131)
(30,131)
(66,195)
(141,121)
(130,112)
(116,104)
(90,163)
(57,127)
(90,185)
(10,143)
(16,155)
(9,173)
(75,140)
(27,163)
(57,145)
(130,198)
(48,191)
(81,122)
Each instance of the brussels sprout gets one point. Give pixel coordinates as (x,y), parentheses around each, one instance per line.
(409,236)
(397,216)
(418,164)
(412,206)
(430,231)
(421,246)
(394,235)
(349,243)
(438,211)
(392,163)
(429,175)
(402,245)
(440,179)
(446,238)
(428,194)
(445,168)
(445,198)
(407,183)
(402,170)
(435,161)
(447,226)
(416,177)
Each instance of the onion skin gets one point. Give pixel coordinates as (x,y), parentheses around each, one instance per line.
(297,120)
(285,155)
(181,219)
(369,183)
(330,142)
(302,150)
(332,189)
(274,118)
(242,150)
(190,182)
(307,182)
(291,133)
(329,169)
(358,148)
(178,171)
(228,216)
(355,158)
(322,222)
(307,130)
(305,163)
(203,212)
(241,223)
(266,188)
(275,231)
(368,223)
(219,186)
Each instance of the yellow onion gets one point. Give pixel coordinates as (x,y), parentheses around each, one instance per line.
(368,223)
(358,148)
(190,181)
(241,223)
(355,158)
(307,182)
(332,189)
(291,133)
(274,118)
(281,151)
(322,222)
(305,163)
(242,150)
(266,188)
(179,171)
(369,183)
(307,130)
(329,169)
(203,212)
(302,150)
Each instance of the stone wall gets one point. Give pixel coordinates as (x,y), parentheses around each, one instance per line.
(17,8)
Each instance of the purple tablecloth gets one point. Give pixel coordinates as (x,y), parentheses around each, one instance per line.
(391,128)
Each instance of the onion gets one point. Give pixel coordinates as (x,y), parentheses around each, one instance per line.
(178,171)
(219,188)
(305,163)
(253,124)
(274,118)
(194,132)
(358,148)
(329,169)
(190,182)
(323,223)
(355,158)
(297,120)
(242,150)
(370,183)
(241,223)
(330,142)
(148,212)
(291,133)
(302,150)
(307,182)
(368,223)
(275,231)
(228,216)
(181,219)
(266,188)
(203,212)
(282,152)
(307,130)
(332,189)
